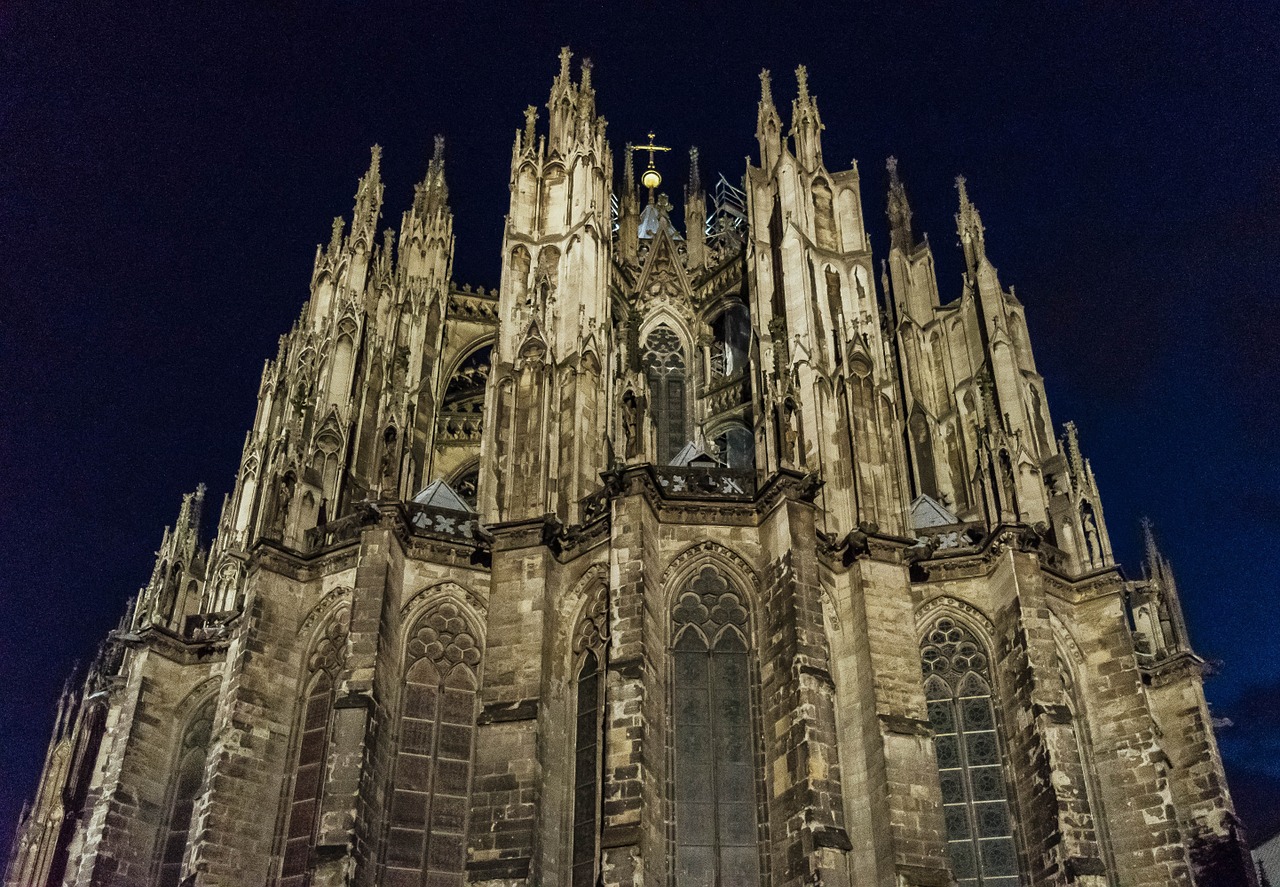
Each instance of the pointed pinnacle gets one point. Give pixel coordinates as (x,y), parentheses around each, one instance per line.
(565,55)
(375,161)
(695,175)
(437,155)
(530,125)
(586,74)
(964,192)
(892,165)
(766,87)
(802,79)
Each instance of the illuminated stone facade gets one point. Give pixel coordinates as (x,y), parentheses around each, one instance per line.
(690,555)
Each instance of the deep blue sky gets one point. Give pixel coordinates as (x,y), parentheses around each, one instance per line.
(166,172)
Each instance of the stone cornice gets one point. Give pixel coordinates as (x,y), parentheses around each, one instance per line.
(748,510)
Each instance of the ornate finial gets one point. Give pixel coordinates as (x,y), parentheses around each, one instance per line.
(892,165)
(695,175)
(437,153)
(586,74)
(335,239)
(565,55)
(530,125)
(964,192)
(802,79)
(766,87)
(629,168)
(651,178)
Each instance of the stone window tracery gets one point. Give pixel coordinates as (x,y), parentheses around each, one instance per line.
(426,844)
(716,816)
(974,791)
(664,362)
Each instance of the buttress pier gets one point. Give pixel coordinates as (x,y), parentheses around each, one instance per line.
(707,549)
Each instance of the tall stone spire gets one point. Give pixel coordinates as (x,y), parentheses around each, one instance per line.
(695,214)
(368,208)
(914,283)
(969,227)
(768,124)
(628,209)
(806,123)
(426,230)
(431,195)
(899,211)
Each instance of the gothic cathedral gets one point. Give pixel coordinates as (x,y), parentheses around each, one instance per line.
(705,551)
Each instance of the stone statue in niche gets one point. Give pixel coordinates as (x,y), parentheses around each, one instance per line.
(631,415)
(1091,536)
(284,497)
(789,426)
(389,463)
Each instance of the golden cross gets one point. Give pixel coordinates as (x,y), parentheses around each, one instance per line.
(651,147)
(650,178)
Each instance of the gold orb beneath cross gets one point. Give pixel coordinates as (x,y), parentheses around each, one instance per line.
(650,178)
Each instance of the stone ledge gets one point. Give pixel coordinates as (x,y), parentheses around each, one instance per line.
(506,712)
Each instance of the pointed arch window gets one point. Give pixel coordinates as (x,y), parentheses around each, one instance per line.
(186,780)
(665,365)
(589,642)
(1079,758)
(736,446)
(731,338)
(312,750)
(716,802)
(462,404)
(974,790)
(586,771)
(426,844)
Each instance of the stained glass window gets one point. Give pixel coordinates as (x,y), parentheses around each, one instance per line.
(326,660)
(426,844)
(308,779)
(974,792)
(716,827)
(586,772)
(187,779)
(665,366)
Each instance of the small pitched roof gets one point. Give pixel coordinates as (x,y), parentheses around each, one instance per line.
(928,512)
(695,455)
(439,494)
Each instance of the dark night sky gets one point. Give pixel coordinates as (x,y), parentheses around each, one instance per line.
(166,172)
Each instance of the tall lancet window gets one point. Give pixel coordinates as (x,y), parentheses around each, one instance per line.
(665,366)
(187,777)
(588,646)
(974,792)
(426,845)
(312,749)
(716,821)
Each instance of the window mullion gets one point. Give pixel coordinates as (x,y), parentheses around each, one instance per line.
(966,783)
(432,772)
(714,732)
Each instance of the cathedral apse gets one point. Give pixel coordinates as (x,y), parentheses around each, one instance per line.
(720,552)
